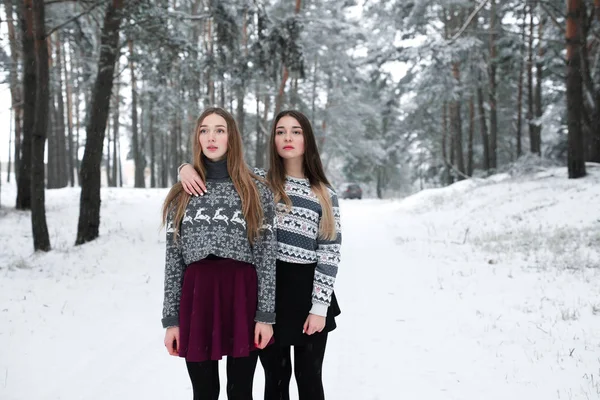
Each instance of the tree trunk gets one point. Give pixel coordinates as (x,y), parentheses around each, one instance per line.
(241,86)
(281,92)
(576,156)
(456,124)
(77,122)
(483,129)
(380,178)
(447,166)
(152,135)
(29,93)
(41,238)
(119,161)
(71,155)
(62,177)
(536,144)
(222,92)
(314,90)
(595,142)
(109,181)
(284,73)
(164,164)
(135,140)
(181,148)
(51,134)
(520,89)
(175,160)
(10,143)
(210,83)
(259,155)
(15,88)
(326,113)
(258,130)
(89,215)
(52,164)
(471,135)
(116,125)
(530,111)
(493,153)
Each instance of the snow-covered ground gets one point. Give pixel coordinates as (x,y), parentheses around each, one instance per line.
(488,289)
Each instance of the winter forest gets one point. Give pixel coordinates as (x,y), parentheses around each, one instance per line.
(472,126)
(483,84)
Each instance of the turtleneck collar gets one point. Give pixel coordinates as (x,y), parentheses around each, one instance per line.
(216,169)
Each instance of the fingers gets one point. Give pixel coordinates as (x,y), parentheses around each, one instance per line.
(201,184)
(312,326)
(196,187)
(306,327)
(169,345)
(172,343)
(266,337)
(185,187)
(257,336)
(262,335)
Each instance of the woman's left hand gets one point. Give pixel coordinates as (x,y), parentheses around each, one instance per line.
(314,323)
(262,335)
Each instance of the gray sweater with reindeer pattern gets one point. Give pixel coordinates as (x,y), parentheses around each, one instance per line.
(214,224)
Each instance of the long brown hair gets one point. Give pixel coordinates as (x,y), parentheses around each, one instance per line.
(313,169)
(241,176)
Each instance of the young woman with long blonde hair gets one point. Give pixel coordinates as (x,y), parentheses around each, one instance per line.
(219,297)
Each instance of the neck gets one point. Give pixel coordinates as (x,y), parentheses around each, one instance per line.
(294,168)
(216,169)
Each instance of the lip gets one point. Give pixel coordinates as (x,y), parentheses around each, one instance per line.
(288,147)
(212,148)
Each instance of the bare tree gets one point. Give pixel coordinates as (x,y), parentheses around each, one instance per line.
(89,207)
(29,93)
(139,162)
(15,88)
(41,238)
(576,156)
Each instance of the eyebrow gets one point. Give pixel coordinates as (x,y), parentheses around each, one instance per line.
(221,126)
(293,127)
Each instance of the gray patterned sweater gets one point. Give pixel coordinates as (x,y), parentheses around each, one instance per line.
(298,240)
(214,224)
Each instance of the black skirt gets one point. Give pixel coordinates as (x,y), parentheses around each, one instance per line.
(294,301)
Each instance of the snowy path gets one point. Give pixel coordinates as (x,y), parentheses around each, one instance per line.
(426,314)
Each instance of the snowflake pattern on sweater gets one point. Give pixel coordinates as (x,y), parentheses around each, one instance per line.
(214,224)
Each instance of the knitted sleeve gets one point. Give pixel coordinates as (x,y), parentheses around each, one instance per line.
(174,270)
(265,254)
(328,258)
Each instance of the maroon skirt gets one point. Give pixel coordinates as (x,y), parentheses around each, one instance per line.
(216,313)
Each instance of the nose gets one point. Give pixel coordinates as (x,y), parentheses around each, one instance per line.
(287,137)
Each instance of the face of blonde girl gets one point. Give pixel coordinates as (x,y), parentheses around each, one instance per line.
(289,139)
(213,137)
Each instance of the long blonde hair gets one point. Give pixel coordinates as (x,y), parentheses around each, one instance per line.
(313,169)
(243,179)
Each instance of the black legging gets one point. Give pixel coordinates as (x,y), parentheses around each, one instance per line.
(308,364)
(240,376)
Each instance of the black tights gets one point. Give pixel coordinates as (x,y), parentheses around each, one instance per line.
(308,365)
(240,376)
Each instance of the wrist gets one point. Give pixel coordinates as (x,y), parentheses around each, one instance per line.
(181,166)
